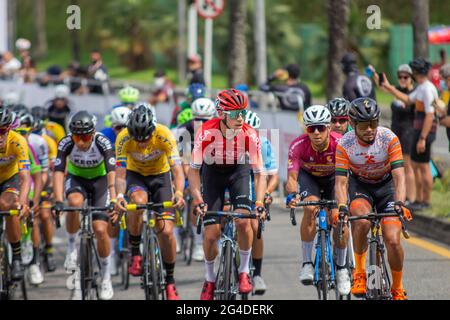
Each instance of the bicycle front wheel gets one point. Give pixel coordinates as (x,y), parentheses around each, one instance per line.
(323,265)
(86,271)
(374,279)
(228,271)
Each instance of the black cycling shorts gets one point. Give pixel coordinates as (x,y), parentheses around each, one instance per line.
(422,157)
(95,189)
(405,133)
(310,185)
(380,195)
(11,185)
(215,180)
(158,188)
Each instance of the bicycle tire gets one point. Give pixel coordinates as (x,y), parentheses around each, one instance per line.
(146,265)
(86,273)
(23,287)
(125,262)
(4,269)
(219,283)
(160,270)
(373,293)
(323,265)
(228,271)
(155,283)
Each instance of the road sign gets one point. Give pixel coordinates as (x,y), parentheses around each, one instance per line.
(210,9)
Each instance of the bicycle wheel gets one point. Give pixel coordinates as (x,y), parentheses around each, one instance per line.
(385,281)
(374,281)
(124,256)
(153,262)
(23,287)
(4,270)
(323,285)
(220,281)
(228,271)
(161,281)
(86,271)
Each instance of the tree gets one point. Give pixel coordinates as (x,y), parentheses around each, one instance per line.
(337,41)
(237,63)
(420,27)
(40,36)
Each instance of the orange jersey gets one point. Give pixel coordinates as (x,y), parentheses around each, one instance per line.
(369,163)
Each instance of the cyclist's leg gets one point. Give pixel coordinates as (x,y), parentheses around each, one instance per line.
(47,226)
(9,199)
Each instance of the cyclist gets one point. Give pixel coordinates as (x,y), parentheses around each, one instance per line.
(59,107)
(339,115)
(369,162)
(193,92)
(119,118)
(222,169)
(311,170)
(271,170)
(146,152)
(203,109)
(128,97)
(15,183)
(90,165)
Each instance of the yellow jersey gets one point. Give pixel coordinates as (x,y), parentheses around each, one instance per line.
(55,131)
(156,158)
(14,156)
(52,147)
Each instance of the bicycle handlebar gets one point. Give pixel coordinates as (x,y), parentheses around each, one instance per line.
(9,213)
(320,203)
(149,206)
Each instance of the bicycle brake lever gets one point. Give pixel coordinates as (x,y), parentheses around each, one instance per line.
(293,221)
(199,225)
(260,227)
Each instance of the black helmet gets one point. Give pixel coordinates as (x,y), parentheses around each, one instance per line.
(40,114)
(18,108)
(82,122)
(338,107)
(141,123)
(6,117)
(364,109)
(420,66)
(24,116)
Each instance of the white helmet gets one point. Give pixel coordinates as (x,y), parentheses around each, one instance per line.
(11,98)
(252,119)
(119,116)
(203,108)
(23,44)
(316,114)
(62,91)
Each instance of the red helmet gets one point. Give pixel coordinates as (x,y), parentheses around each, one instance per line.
(231,99)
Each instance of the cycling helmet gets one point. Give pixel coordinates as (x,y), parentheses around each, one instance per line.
(253,120)
(82,122)
(315,115)
(119,116)
(141,122)
(364,109)
(196,91)
(231,99)
(203,108)
(128,94)
(184,116)
(420,66)
(6,117)
(24,118)
(40,116)
(62,91)
(338,107)
(11,98)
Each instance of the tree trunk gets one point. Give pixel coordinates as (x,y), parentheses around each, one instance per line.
(260,42)
(420,27)
(40,34)
(338,11)
(237,66)
(181,57)
(74,38)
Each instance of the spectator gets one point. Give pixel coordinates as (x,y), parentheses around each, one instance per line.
(425,125)
(165,90)
(10,66)
(28,70)
(53,75)
(356,85)
(292,94)
(59,107)
(97,71)
(195,71)
(434,74)
(444,118)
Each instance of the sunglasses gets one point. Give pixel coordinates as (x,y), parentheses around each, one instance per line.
(403,77)
(118,128)
(341,120)
(236,113)
(82,137)
(320,128)
(23,131)
(4,131)
(364,125)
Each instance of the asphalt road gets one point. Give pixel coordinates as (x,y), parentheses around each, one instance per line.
(426,271)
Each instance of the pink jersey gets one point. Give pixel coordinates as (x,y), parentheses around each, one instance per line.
(303,156)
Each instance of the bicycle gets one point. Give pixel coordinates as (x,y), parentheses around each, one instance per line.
(124,252)
(379,283)
(186,233)
(324,269)
(8,286)
(89,261)
(153,279)
(227,278)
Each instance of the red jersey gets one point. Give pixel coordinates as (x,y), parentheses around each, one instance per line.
(211,147)
(303,155)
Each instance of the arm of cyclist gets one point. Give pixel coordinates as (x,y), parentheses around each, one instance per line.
(398,175)
(179,180)
(25,184)
(121,188)
(260,189)
(292,189)
(272,184)
(340,188)
(37,189)
(194,186)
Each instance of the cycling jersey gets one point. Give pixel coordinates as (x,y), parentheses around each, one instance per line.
(40,148)
(52,147)
(55,131)
(423,97)
(269,160)
(302,155)
(185,136)
(95,162)
(111,135)
(369,163)
(14,157)
(157,157)
(35,165)
(212,148)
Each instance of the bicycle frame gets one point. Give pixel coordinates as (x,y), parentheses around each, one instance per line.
(322,225)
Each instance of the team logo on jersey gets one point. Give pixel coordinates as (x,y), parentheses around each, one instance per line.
(370,159)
